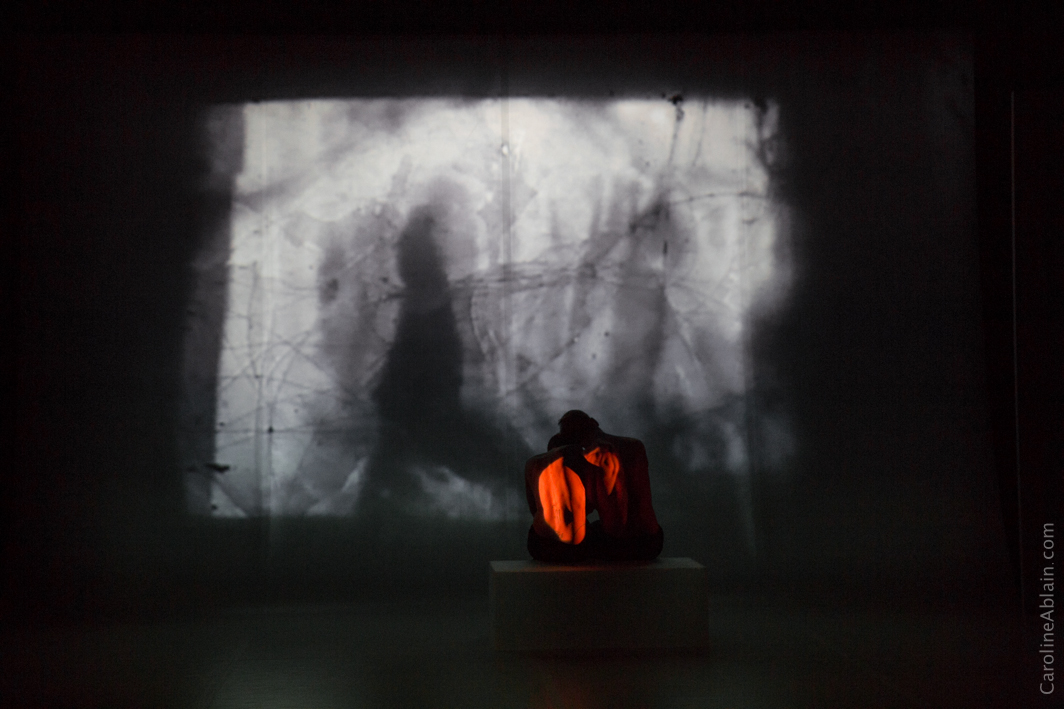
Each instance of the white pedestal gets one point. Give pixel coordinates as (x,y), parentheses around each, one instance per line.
(663,604)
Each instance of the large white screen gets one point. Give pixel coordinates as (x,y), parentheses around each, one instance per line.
(417,289)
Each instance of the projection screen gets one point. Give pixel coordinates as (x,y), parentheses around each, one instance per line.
(409,292)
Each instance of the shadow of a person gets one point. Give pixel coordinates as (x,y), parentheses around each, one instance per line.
(423,424)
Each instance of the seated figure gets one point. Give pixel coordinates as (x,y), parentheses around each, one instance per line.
(586,469)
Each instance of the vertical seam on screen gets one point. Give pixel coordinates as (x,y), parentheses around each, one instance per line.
(508,386)
(748,396)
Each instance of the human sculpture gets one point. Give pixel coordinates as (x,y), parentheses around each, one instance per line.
(584,470)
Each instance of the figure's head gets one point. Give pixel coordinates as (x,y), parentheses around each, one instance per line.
(574,427)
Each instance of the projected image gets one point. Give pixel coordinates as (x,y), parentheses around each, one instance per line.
(409,293)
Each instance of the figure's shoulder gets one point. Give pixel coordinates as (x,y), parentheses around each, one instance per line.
(539,461)
(542,460)
(625,444)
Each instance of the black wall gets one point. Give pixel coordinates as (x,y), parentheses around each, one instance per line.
(879,357)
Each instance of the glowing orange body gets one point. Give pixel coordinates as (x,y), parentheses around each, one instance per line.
(561,491)
(609,462)
(612,481)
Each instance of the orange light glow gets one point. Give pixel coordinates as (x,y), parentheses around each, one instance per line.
(560,491)
(612,481)
(609,462)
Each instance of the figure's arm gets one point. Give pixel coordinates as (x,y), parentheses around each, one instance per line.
(610,486)
(572,456)
(556,495)
(642,519)
(622,487)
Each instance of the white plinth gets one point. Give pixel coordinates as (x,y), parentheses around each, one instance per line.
(659,605)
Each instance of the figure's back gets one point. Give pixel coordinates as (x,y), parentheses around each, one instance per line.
(636,471)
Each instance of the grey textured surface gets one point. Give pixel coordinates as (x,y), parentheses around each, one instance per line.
(410,279)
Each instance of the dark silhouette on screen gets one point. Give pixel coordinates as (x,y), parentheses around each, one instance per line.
(423,424)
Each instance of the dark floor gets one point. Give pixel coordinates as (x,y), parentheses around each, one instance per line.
(437,654)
